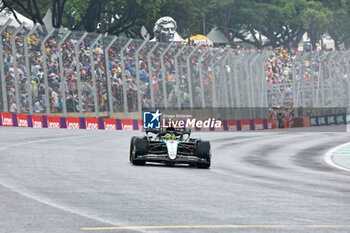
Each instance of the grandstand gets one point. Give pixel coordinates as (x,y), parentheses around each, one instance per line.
(88,74)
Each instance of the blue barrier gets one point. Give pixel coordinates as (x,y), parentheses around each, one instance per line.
(328,120)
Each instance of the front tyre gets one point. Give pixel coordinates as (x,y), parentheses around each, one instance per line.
(202,151)
(138,146)
(132,143)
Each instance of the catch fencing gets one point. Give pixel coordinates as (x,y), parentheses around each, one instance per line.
(87,74)
(322,79)
(79,74)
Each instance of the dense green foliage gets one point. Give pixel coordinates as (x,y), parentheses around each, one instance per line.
(282,22)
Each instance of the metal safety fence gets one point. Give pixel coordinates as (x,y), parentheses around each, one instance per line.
(63,73)
(86,74)
(322,79)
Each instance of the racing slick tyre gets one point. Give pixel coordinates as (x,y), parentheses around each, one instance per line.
(138,146)
(132,142)
(202,149)
(141,146)
(203,152)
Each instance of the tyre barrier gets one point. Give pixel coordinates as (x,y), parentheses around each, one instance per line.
(36,121)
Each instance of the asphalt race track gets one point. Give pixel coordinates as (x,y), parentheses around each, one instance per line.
(70,181)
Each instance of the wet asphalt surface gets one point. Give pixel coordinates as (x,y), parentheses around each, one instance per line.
(67,181)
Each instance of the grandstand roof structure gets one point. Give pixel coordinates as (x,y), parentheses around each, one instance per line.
(4,16)
(217,37)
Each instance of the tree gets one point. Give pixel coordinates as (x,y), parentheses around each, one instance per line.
(316,21)
(112,16)
(36,9)
(278,21)
(340,22)
(282,22)
(230,16)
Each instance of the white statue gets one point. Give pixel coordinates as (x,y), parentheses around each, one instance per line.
(165,29)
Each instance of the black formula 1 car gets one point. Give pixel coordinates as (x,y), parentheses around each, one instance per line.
(170,146)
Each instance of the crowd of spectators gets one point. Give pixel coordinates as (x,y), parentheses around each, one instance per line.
(316,72)
(278,67)
(279,76)
(70,83)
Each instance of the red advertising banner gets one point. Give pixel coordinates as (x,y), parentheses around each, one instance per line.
(37,121)
(232,125)
(53,122)
(91,123)
(245,125)
(72,123)
(140,123)
(216,126)
(259,124)
(127,124)
(6,119)
(22,120)
(110,124)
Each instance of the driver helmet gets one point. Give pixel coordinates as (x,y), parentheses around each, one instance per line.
(167,136)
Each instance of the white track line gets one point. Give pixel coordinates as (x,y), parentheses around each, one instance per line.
(328,157)
(42,140)
(46,201)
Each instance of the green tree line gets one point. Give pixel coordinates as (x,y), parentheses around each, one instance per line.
(282,22)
